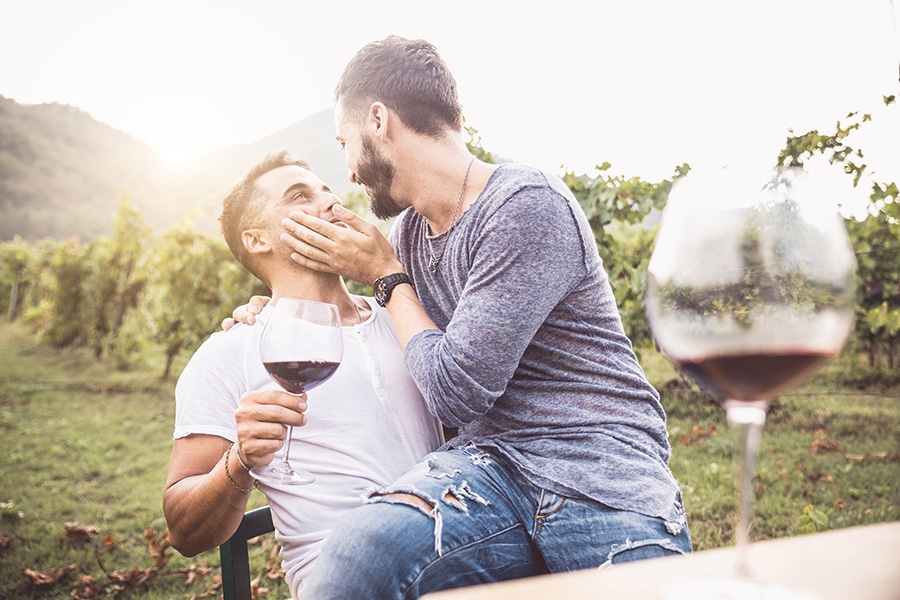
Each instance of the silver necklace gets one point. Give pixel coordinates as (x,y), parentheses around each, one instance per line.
(435,260)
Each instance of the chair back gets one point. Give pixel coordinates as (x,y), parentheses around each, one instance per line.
(235,557)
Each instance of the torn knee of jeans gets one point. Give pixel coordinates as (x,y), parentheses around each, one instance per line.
(415,499)
(453,500)
(409,497)
(434,470)
(456,497)
(619,549)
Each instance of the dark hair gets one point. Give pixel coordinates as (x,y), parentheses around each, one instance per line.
(242,206)
(408,76)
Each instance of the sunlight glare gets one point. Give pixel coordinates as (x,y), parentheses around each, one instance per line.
(182,106)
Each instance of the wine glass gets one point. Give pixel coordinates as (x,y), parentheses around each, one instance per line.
(750,289)
(301,347)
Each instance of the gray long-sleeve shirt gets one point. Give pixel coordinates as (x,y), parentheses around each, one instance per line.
(531,357)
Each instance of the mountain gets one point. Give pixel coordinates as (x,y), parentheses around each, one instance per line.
(62,172)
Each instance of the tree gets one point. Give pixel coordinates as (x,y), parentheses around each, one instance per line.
(84,291)
(874,236)
(619,211)
(475,147)
(876,243)
(115,282)
(196,283)
(60,311)
(16,272)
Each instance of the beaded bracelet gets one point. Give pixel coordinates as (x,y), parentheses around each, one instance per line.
(231,480)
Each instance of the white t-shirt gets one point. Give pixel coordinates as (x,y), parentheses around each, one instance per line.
(365,426)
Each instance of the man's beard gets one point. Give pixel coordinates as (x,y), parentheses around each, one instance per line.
(376,173)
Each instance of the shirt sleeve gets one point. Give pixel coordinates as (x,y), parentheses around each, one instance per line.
(210,388)
(526,257)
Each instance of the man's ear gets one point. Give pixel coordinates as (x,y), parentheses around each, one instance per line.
(255,241)
(380,120)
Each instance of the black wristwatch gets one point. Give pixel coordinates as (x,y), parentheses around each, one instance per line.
(385,285)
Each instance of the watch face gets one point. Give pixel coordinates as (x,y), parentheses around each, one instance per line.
(379,292)
(384,286)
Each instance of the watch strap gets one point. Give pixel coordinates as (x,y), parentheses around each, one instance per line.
(384,286)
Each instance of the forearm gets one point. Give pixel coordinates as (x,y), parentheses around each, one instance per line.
(407,314)
(203,511)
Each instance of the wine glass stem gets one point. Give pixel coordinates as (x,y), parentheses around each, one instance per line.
(746,420)
(287,445)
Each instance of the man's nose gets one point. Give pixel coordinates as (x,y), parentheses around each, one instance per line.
(330,202)
(352,176)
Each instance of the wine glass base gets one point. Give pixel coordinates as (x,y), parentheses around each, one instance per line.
(723,588)
(283,475)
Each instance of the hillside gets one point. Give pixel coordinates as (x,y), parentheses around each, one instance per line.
(62,172)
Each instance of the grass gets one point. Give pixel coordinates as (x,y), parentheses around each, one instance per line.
(84,444)
(87,445)
(829,458)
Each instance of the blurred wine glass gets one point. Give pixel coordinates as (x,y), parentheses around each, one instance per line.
(750,289)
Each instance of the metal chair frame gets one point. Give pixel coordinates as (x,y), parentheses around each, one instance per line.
(235,556)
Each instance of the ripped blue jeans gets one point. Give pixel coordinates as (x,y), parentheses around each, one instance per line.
(461,517)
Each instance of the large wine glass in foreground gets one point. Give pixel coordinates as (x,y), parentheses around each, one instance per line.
(750,288)
(301,347)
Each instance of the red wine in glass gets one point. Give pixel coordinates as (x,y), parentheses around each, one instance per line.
(303,375)
(753,377)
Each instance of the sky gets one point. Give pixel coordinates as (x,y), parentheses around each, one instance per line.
(643,84)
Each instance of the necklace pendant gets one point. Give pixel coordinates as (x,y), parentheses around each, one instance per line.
(433,265)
